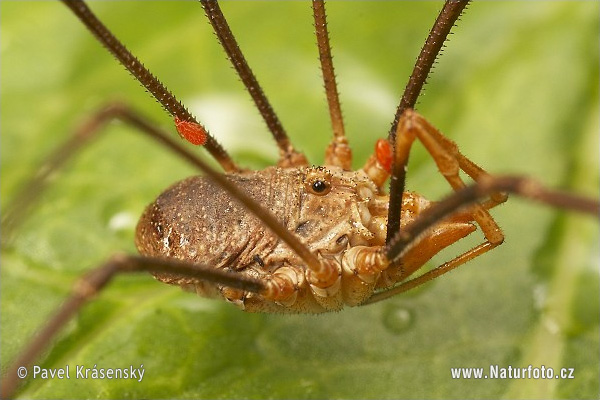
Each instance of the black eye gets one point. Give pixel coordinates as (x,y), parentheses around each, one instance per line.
(317,181)
(320,187)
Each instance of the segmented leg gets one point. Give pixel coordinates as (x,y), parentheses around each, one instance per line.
(288,156)
(94,281)
(445,21)
(338,152)
(31,191)
(450,161)
(186,123)
(322,273)
(485,187)
(447,18)
(363,265)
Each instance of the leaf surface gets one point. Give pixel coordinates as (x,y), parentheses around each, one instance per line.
(516,88)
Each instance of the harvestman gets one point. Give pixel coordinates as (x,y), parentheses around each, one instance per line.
(316,238)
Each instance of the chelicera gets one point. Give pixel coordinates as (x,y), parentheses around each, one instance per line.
(365,260)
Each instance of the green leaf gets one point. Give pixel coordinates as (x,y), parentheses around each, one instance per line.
(516,88)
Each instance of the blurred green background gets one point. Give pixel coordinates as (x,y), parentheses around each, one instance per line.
(516,88)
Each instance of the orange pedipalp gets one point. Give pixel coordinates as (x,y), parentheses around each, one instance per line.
(191,131)
(383,151)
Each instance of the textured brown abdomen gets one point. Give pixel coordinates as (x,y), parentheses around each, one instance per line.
(196,220)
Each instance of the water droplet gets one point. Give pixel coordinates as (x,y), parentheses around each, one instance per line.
(398,319)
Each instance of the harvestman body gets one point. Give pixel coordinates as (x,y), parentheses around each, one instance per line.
(294,238)
(340,214)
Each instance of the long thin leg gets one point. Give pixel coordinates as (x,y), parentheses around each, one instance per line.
(16,211)
(31,191)
(288,155)
(323,272)
(441,29)
(485,187)
(186,123)
(338,152)
(94,281)
(448,16)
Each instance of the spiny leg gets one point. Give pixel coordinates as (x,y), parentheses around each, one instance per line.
(449,161)
(441,29)
(338,152)
(186,123)
(463,198)
(434,43)
(288,155)
(94,281)
(322,274)
(16,211)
